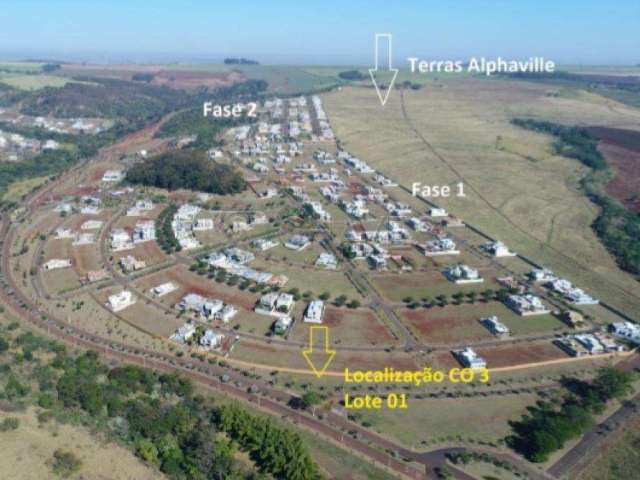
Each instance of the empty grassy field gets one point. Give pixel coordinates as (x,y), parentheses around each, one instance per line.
(620,457)
(483,418)
(31,82)
(516,188)
(458,323)
(17,190)
(28,450)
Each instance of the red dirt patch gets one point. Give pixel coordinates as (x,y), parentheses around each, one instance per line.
(621,148)
(445,325)
(364,322)
(520,354)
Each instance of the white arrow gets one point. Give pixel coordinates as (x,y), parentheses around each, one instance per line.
(372,71)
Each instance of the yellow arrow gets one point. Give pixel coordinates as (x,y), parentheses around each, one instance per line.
(325,354)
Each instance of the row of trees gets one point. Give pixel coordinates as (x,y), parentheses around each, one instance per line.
(573,142)
(278,450)
(164,233)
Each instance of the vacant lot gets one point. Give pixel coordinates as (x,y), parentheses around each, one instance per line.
(520,354)
(427,284)
(431,419)
(620,457)
(348,327)
(516,189)
(460,323)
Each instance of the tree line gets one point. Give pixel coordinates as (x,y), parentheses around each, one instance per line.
(159,416)
(548,427)
(617,227)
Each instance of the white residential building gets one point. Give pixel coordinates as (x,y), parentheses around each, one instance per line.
(113,176)
(495,326)
(211,339)
(203,224)
(327,260)
(469,358)
(526,305)
(498,249)
(163,289)
(144,231)
(462,274)
(264,244)
(120,301)
(314,312)
(91,225)
(275,304)
(626,331)
(440,246)
(129,263)
(56,263)
(120,240)
(298,242)
(184,333)
(204,307)
(438,212)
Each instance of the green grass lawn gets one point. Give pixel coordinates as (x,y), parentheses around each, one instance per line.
(31,82)
(432,419)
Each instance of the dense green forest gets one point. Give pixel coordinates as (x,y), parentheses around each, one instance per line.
(206,129)
(617,227)
(158,416)
(352,75)
(102,97)
(189,169)
(548,427)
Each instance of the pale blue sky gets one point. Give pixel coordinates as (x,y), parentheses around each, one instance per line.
(279,31)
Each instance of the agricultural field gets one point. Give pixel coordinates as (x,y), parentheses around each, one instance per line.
(461,131)
(32,82)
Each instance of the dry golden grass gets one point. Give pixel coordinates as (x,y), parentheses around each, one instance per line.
(517,190)
(26,451)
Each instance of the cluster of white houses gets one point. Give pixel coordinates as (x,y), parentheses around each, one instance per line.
(279,305)
(207,307)
(235,260)
(571,293)
(143,231)
(185,223)
(209,339)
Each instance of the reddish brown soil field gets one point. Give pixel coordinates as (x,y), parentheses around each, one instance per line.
(85,258)
(172,78)
(447,325)
(364,322)
(519,354)
(621,148)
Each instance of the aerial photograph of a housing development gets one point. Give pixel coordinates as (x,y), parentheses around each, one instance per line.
(320,240)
